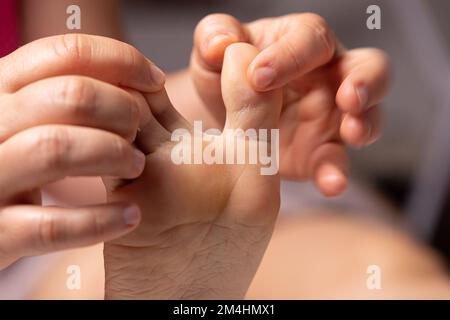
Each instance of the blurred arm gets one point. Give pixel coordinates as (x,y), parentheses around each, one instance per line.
(48,17)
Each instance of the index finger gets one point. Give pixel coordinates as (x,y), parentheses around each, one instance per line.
(301,43)
(98,57)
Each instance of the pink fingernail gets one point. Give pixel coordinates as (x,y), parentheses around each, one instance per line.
(158,76)
(363,96)
(219,38)
(263,77)
(131,216)
(139,161)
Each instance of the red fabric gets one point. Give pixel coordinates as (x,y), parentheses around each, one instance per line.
(8,27)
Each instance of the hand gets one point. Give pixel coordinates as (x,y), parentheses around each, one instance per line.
(57,121)
(331,95)
(202,224)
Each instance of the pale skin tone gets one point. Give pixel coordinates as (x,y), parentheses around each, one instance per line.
(331,94)
(200,226)
(324,158)
(74,132)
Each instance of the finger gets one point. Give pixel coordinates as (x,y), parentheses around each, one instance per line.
(48,153)
(102,58)
(71,100)
(365,74)
(207,85)
(302,42)
(213,35)
(32,230)
(361,130)
(151,133)
(245,107)
(164,112)
(329,168)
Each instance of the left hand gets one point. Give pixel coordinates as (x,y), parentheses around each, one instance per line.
(331,95)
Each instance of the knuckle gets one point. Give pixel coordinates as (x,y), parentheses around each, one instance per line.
(98,228)
(132,58)
(295,55)
(48,233)
(321,30)
(378,61)
(73,49)
(51,147)
(121,151)
(77,96)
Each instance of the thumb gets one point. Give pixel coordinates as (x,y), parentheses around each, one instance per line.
(245,107)
(212,36)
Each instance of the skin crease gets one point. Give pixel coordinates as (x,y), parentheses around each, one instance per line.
(285,251)
(186,96)
(73,133)
(201,225)
(322,111)
(312,147)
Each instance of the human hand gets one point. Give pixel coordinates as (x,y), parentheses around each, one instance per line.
(63,114)
(205,227)
(331,95)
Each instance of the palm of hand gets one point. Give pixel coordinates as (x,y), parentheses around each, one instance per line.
(202,223)
(203,198)
(199,198)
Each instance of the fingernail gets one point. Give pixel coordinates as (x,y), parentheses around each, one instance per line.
(363,96)
(263,77)
(131,216)
(220,38)
(139,160)
(369,133)
(158,76)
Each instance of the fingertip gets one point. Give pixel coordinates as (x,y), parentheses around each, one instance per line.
(331,180)
(131,215)
(352,98)
(355,131)
(157,76)
(213,34)
(213,49)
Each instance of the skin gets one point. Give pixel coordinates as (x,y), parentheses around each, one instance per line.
(331,161)
(200,225)
(84,127)
(318,254)
(331,94)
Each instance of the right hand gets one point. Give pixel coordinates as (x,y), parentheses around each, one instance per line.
(202,224)
(63,113)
